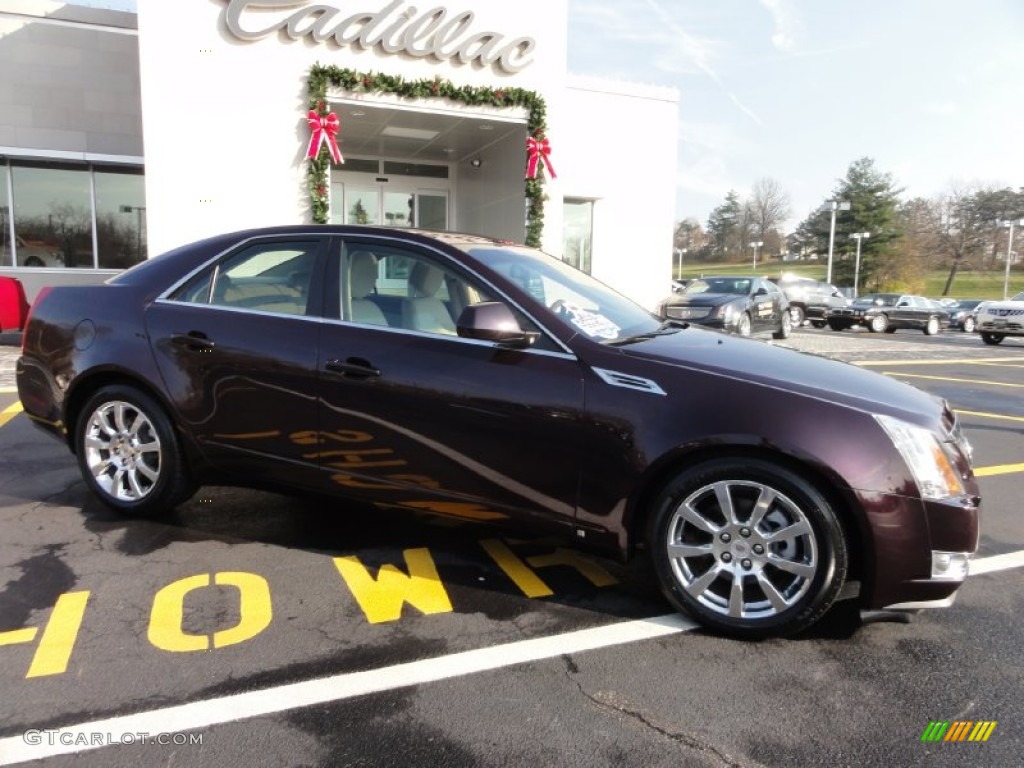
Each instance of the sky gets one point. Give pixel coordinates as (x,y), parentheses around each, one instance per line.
(796,90)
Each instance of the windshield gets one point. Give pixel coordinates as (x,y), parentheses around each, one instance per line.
(878,300)
(738,285)
(575,298)
(1018,297)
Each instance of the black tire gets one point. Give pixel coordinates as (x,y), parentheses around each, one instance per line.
(890,330)
(34,261)
(993,338)
(785,326)
(797,315)
(691,540)
(129,453)
(818,324)
(878,323)
(932,327)
(743,325)
(969,325)
(835,326)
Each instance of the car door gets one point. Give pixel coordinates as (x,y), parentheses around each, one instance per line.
(236,345)
(413,415)
(765,306)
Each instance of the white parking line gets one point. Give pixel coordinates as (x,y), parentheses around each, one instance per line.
(73,739)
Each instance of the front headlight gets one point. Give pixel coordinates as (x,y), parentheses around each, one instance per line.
(926,456)
(725,311)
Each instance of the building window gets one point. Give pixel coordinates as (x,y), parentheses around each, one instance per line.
(578,230)
(60,215)
(120,218)
(6,232)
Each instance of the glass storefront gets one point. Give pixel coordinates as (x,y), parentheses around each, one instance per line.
(62,216)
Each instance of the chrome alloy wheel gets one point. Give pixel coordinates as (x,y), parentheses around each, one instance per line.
(122,450)
(742,549)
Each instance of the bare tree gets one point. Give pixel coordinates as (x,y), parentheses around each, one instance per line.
(768,209)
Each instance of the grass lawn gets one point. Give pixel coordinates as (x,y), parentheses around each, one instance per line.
(967,285)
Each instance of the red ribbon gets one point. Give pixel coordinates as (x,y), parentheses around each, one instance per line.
(538,150)
(325,128)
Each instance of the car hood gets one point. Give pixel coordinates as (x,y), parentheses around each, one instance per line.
(786,369)
(702,299)
(1016,307)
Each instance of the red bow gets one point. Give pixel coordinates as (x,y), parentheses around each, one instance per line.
(538,149)
(325,128)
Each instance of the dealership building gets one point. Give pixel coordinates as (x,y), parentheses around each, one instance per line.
(123,135)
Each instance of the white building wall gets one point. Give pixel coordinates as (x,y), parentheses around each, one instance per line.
(224,120)
(622,154)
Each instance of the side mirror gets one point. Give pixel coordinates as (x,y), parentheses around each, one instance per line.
(493,321)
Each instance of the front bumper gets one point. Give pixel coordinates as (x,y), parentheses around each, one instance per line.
(923,559)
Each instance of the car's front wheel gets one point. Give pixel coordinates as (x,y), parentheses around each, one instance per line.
(932,326)
(993,338)
(748,547)
(129,454)
(835,326)
(743,325)
(969,325)
(797,315)
(878,323)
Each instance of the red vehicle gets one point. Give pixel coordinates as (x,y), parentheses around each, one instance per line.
(445,372)
(13,305)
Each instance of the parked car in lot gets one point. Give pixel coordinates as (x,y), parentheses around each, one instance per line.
(889,312)
(744,305)
(962,314)
(473,378)
(13,305)
(810,299)
(998,319)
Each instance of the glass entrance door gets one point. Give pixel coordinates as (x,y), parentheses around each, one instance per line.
(400,203)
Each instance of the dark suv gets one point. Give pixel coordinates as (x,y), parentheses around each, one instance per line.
(810,299)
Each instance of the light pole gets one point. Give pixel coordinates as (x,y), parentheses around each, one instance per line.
(833,205)
(755,245)
(858,236)
(1009,254)
(679,269)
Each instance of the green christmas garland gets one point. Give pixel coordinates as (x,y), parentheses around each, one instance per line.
(322,78)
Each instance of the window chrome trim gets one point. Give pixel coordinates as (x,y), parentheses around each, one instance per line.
(345,238)
(493,345)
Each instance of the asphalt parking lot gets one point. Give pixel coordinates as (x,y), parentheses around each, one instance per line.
(253,629)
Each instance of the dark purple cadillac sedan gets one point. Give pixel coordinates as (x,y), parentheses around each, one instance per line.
(471,377)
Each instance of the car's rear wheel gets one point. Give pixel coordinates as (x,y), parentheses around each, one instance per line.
(129,454)
(797,315)
(878,323)
(743,325)
(932,326)
(785,326)
(748,547)
(993,338)
(969,325)
(818,323)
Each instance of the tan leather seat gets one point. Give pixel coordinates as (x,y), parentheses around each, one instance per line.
(362,280)
(423,311)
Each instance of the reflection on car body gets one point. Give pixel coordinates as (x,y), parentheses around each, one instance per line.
(465,376)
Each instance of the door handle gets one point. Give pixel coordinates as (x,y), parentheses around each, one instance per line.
(195,341)
(353,368)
